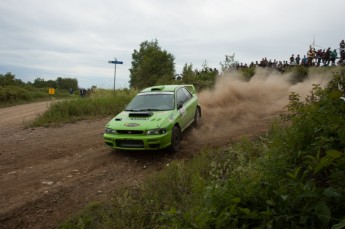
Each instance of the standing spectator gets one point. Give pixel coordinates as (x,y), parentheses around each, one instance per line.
(298,59)
(323,56)
(82,92)
(262,63)
(292,60)
(342,52)
(285,64)
(319,57)
(305,61)
(280,66)
(333,56)
(327,57)
(342,45)
(310,55)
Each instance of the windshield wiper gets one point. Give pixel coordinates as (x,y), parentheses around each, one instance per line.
(131,110)
(149,109)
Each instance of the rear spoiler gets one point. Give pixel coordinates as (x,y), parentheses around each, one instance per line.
(190,88)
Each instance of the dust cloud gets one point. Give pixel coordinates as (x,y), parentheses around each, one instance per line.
(236,108)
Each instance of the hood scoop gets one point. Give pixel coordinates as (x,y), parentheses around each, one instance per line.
(141,114)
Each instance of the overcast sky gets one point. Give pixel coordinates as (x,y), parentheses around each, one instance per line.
(77,38)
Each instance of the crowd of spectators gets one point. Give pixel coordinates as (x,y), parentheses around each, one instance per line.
(319,57)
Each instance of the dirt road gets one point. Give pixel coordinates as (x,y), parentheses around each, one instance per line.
(46,174)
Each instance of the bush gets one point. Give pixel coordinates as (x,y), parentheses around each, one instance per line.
(299,74)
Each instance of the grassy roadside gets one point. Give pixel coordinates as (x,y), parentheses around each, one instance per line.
(291,177)
(15,95)
(101,103)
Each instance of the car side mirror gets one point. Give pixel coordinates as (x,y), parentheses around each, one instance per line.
(179,106)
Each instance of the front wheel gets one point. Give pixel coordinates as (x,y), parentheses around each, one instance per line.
(176,137)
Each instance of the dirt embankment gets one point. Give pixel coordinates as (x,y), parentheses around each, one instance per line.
(47,174)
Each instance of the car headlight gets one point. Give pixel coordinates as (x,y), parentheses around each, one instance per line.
(110,131)
(156,131)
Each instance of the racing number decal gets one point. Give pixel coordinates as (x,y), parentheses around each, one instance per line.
(182,112)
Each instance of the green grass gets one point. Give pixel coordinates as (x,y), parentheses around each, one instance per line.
(101,103)
(15,95)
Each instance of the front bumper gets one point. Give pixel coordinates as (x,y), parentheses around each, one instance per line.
(138,142)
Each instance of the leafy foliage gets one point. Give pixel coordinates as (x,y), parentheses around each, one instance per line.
(151,66)
(10,80)
(229,64)
(59,83)
(201,79)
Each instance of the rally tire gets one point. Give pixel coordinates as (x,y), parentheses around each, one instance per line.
(176,137)
(197,117)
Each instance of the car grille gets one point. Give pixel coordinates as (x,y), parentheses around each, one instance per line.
(130,131)
(130,144)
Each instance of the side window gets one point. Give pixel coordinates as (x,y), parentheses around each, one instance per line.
(181,96)
(187,93)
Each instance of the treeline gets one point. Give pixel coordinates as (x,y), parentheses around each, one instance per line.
(14,91)
(9,79)
(153,66)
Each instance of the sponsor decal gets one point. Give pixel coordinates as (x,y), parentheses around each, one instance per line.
(131,124)
(182,111)
(171,118)
(137,119)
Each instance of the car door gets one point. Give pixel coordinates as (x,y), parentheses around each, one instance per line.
(181,99)
(189,105)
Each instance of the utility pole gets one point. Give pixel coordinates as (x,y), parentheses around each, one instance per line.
(115,61)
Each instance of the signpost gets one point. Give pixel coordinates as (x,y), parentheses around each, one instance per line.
(115,62)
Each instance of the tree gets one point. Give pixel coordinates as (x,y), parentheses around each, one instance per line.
(151,65)
(40,83)
(9,80)
(59,83)
(188,75)
(206,78)
(67,83)
(229,64)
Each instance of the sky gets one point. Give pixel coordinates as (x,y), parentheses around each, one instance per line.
(76,38)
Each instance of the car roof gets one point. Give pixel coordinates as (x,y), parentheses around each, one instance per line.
(168,88)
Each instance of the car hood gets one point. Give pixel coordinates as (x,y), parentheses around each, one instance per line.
(140,120)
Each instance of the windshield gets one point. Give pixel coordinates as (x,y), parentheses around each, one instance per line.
(152,102)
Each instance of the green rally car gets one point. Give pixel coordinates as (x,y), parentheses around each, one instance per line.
(154,119)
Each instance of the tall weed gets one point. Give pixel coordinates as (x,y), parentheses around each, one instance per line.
(102,103)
